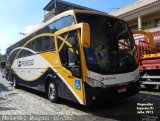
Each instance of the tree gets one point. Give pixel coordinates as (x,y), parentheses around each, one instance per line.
(2,61)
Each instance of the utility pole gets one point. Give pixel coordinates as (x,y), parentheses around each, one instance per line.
(0,51)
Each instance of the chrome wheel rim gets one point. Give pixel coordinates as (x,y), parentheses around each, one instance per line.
(51,91)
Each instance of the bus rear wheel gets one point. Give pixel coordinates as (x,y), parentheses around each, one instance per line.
(52,92)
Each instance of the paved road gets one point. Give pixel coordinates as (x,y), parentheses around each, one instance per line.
(24,101)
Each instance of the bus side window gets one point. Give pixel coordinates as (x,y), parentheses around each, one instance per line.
(24,53)
(61,23)
(29,46)
(48,43)
(35,45)
(42,44)
(13,55)
(19,54)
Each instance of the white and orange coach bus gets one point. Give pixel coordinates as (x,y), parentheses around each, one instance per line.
(81,56)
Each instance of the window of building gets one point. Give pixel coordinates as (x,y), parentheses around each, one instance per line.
(157,22)
(134,27)
(145,23)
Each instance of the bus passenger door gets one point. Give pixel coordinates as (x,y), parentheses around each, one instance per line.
(68,49)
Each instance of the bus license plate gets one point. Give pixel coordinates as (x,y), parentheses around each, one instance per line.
(122,90)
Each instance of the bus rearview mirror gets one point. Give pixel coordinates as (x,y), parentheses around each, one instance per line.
(148,34)
(85,35)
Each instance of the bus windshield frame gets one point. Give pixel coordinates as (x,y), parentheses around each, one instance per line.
(113,49)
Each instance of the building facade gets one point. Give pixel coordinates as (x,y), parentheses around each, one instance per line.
(55,7)
(142,15)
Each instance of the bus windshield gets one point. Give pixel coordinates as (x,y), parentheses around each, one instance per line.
(112,47)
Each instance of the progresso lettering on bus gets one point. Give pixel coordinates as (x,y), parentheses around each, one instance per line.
(26,63)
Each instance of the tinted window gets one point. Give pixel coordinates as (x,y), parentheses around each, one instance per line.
(48,43)
(35,45)
(24,53)
(61,23)
(13,55)
(42,44)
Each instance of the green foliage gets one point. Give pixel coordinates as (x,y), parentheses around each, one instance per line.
(2,60)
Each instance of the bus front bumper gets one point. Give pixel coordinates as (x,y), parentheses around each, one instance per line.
(110,93)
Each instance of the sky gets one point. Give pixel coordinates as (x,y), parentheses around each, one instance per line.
(26,15)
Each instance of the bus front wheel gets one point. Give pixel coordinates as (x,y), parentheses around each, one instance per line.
(52,92)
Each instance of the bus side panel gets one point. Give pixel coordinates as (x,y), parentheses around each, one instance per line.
(67,82)
(32,72)
(39,84)
(64,91)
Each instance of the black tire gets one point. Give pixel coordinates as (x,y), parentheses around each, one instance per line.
(15,83)
(52,92)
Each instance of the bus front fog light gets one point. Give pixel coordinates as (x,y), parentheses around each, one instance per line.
(95,83)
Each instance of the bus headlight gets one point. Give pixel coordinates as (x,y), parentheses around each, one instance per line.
(95,83)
